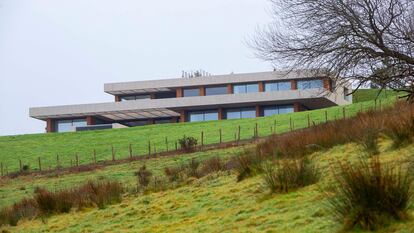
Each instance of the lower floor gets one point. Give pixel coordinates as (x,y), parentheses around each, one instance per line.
(183,115)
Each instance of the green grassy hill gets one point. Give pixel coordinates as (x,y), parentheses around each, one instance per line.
(28,148)
(216,203)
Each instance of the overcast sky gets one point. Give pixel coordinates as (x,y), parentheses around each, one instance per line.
(57,52)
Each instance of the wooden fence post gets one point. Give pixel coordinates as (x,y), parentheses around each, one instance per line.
(290,123)
(309,121)
(343,112)
(130,151)
(149,148)
(238,133)
(221,139)
(20,165)
(257,130)
(274,126)
(326,116)
(113,153)
(166,143)
(40,164)
(77,160)
(94,156)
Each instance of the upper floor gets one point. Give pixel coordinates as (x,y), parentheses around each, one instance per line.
(223,85)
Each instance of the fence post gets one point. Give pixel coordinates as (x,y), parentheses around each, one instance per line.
(343,112)
(309,121)
(113,153)
(238,133)
(326,116)
(221,139)
(176,146)
(77,160)
(202,138)
(40,164)
(257,130)
(149,148)
(20,165)
(290,123)
(130,151)
(166,143)
(274,126)
(94,156)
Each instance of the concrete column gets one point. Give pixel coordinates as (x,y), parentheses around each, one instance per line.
(182,116)
(294,84)
(50,125)
(117,98)
(296,107)
(261,87)
(179,92)
(258,111)
(202,91)
(220,113)
(229,89)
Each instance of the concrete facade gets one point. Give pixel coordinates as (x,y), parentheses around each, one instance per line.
(165,101)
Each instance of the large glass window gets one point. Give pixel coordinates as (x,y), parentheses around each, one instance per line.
(310,84)
(238,113)
(278,86)
(219,90)
(69,125)
(209,115)
(191,92)
(275,110)
(245,88)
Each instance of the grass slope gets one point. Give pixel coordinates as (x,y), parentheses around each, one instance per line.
(371,94)
(29,148)
(218,203)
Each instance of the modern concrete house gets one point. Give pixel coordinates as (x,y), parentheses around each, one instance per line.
(198,99)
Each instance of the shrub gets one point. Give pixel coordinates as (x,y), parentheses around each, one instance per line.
(188,144)
(26,208)
(400,127)
(174,173)
(192,168)
(144,176)
(368,194)
(287,174)
(211,165)
(247,164)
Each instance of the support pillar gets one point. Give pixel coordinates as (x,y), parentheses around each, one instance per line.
(229,89)
(179,92)
(202,91)
(296,107)
(327,84)
(261,87)
(258,111)
(90,120)
(182,116)
(50,125)
(293,84)
(117,98)
(220,113)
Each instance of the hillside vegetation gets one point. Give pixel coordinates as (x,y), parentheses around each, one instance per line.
(28,148)
(218,203)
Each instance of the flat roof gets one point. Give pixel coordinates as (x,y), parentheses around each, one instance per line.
(162,85)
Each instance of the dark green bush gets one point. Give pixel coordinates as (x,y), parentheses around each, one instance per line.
(188,144)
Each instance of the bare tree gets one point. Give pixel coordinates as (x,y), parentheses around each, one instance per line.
(359,40)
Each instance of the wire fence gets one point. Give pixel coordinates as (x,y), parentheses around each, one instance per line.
(243,133)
